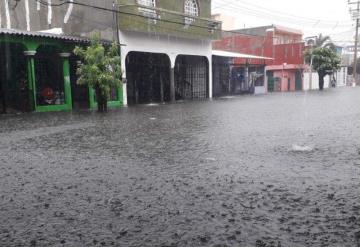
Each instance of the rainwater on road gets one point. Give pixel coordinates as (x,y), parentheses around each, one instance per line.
(276,170)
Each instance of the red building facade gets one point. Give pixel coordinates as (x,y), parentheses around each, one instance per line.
(284,45)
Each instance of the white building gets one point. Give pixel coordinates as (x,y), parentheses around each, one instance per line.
(166,50)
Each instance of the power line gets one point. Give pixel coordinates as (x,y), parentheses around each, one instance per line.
(233,33)
(284,17)
(356,16)
(331,22)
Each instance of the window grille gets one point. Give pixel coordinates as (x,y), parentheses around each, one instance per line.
(148,12)
(148,3)
(191,8)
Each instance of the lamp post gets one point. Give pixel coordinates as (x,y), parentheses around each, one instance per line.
(311,71)
(355,12)
(283,74)
(311,42)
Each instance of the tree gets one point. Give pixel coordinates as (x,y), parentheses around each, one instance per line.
(324,61)
(100,68)
(322,41)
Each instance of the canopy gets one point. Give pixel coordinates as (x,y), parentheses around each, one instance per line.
(237,55)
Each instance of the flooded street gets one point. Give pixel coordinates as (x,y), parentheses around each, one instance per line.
(275,170)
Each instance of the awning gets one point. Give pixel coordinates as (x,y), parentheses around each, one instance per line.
(287,67)
(237,55)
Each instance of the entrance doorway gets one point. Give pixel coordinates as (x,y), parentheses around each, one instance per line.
(191,77)
(148,78)
(50,90)
(80,93)
(271,81)
(14,88)
(221,76)
(298,81)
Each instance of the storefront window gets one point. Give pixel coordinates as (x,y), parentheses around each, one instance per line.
(49,77)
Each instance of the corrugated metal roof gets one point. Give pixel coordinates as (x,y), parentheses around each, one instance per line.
(43,35)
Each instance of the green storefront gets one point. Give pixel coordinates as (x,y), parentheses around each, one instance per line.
(38,73)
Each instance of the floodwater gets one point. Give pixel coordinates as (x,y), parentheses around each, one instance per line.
(275,170)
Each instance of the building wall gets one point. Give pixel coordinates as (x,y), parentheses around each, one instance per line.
(288,53)
(173,5)
(285,76)
(341,76)
(315,81)
(170,19)
(173,38)
(254,45)
(72,19)
(138,30)
(283,36)
(341,79)
(284,47)
(83,20)
(228,22)
(169,45)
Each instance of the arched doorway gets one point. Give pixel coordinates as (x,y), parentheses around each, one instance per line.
(191,77)
(148,78)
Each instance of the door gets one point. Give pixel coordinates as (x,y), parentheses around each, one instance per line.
(298,81)
(289,84)
(271,81)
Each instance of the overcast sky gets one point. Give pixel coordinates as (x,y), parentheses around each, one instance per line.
(329,17)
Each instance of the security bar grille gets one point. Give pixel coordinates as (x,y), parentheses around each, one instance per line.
(149,3)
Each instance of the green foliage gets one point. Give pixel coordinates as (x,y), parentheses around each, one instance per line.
(323,41)
(100,67)
(324,60)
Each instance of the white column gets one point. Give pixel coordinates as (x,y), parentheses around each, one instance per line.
(123,68)
(49,17)
(7,14)
(69,11)
(172,77)
(210,77)
(27,13)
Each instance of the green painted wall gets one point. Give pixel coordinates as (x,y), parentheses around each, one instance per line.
(171,19)
(32,44)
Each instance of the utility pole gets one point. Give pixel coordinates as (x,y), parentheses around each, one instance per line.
(356,49)
(311,41)
(355,15)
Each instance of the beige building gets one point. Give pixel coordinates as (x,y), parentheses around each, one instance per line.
(228,22)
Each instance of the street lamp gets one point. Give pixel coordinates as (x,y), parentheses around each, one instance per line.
(311,42)
(283,74)
(311,70)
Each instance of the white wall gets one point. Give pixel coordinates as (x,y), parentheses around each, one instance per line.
(341,78)
(315,81)
(260,90)
(166,44)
